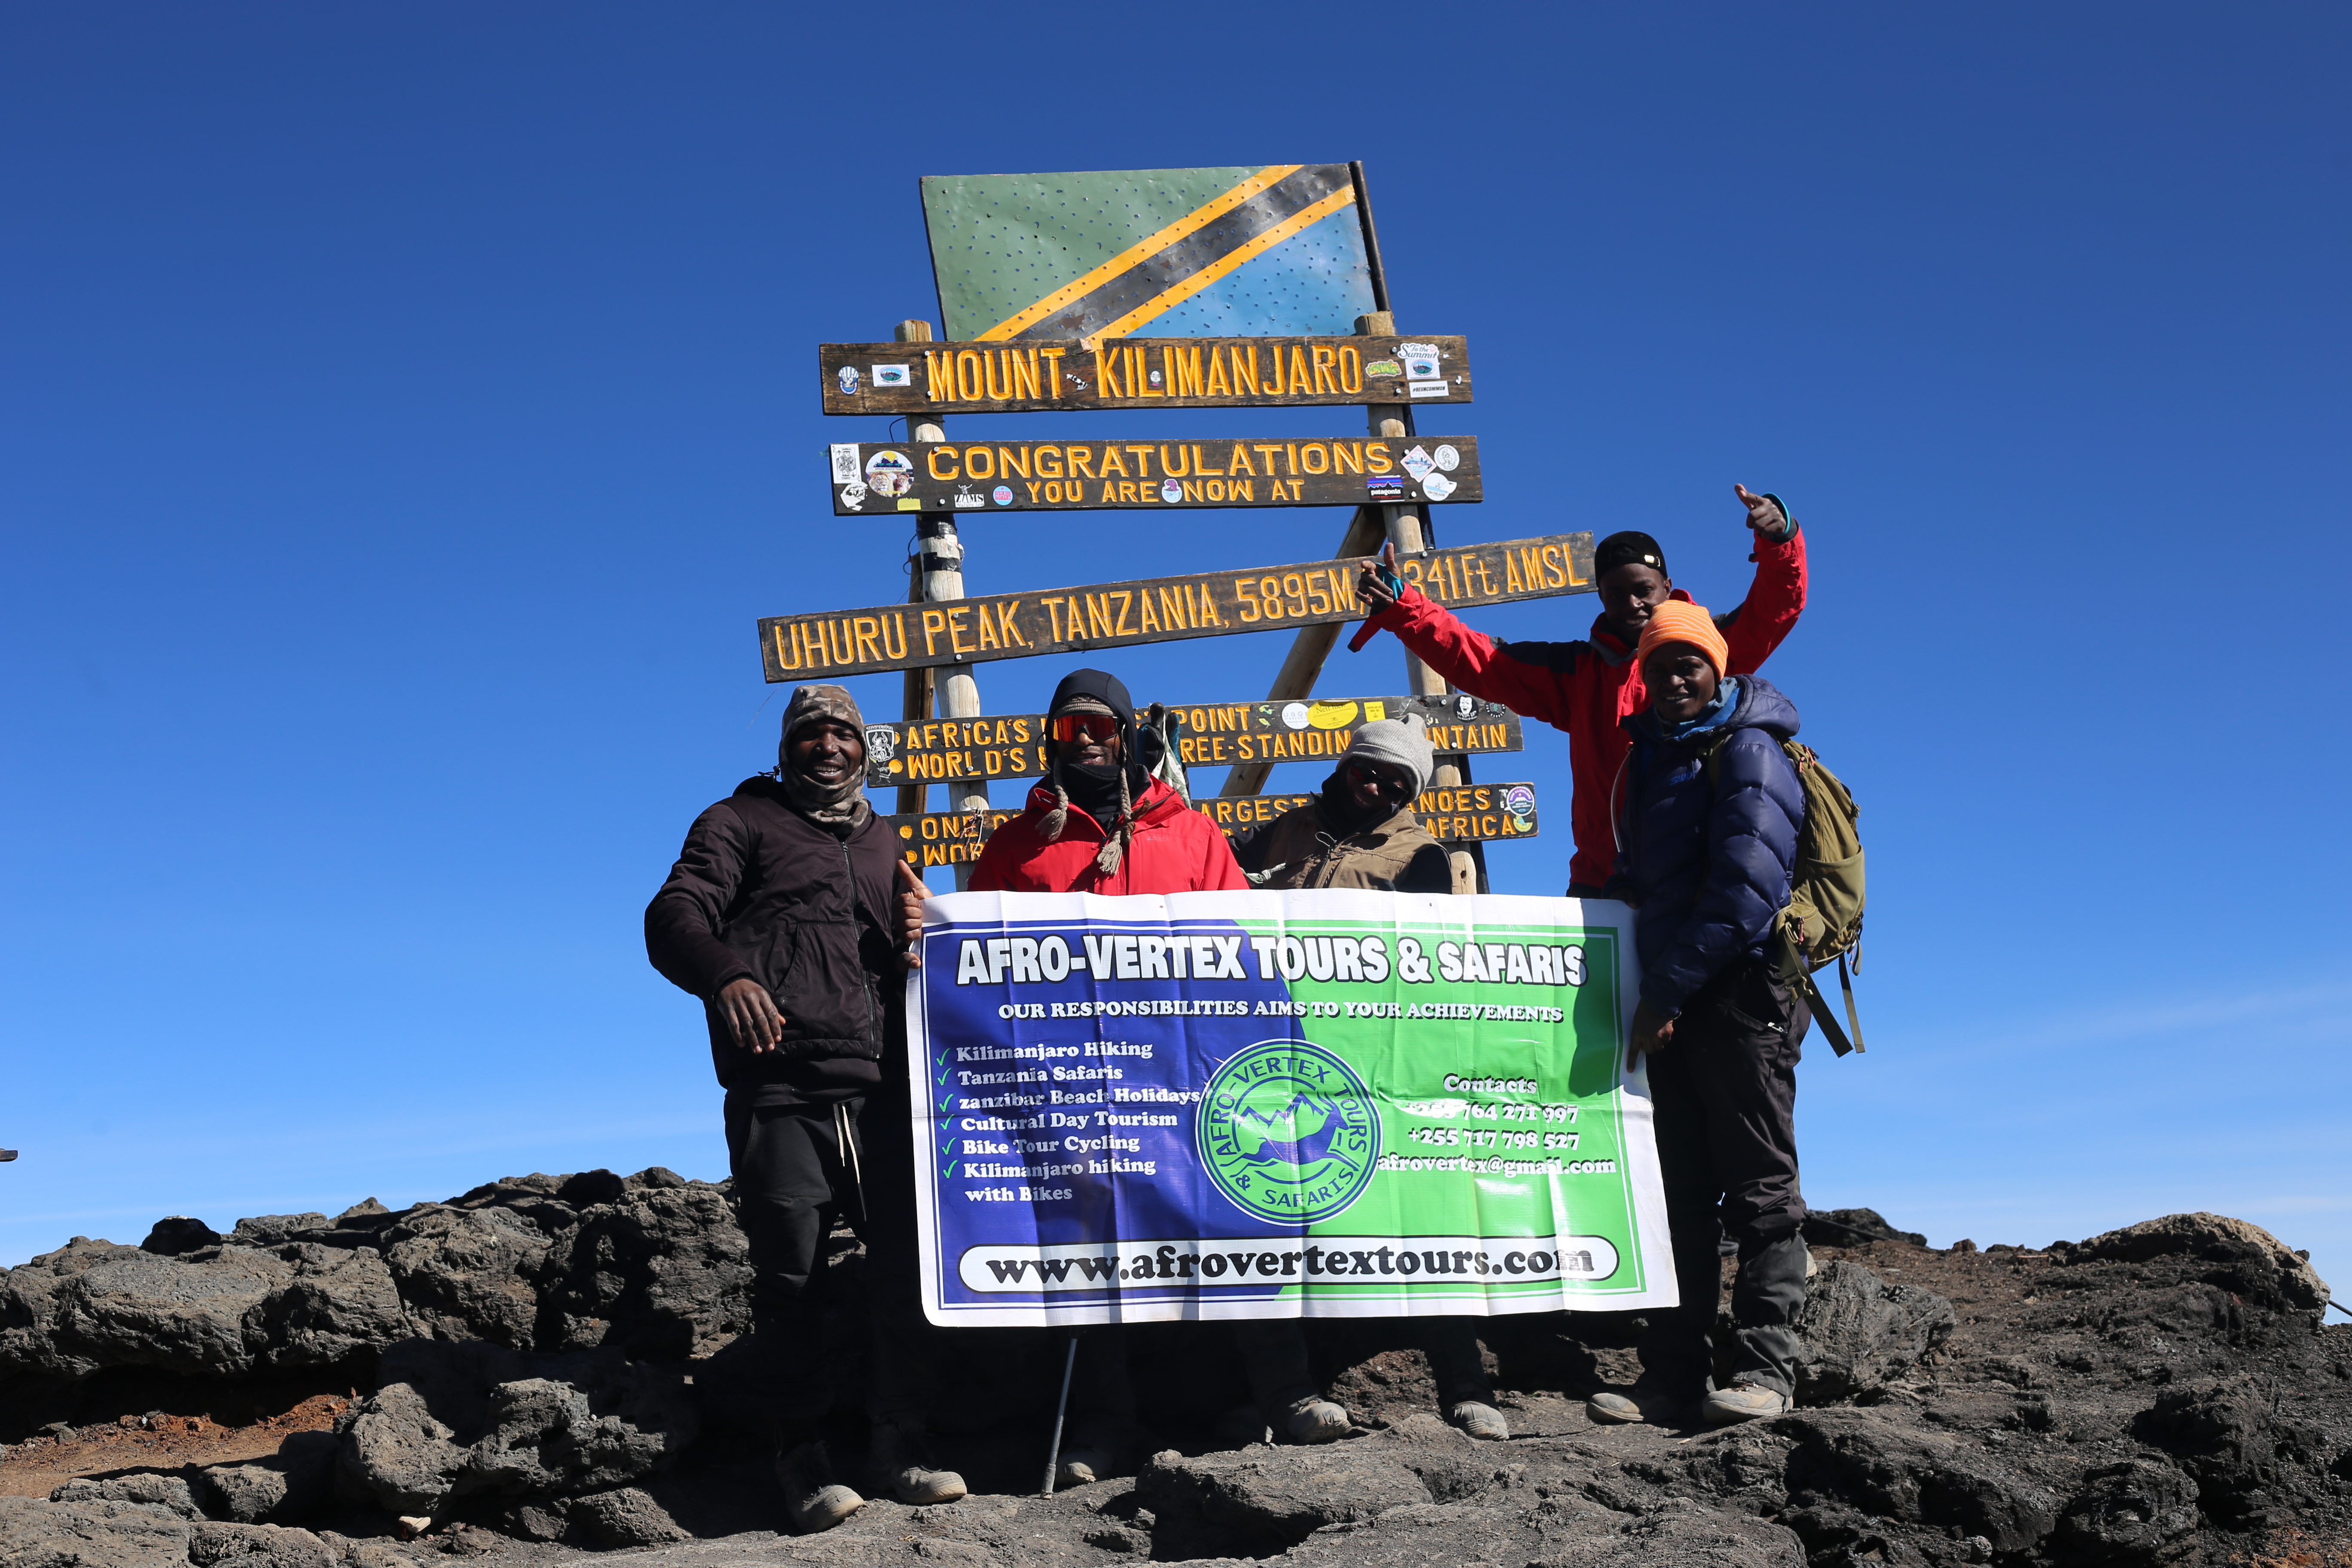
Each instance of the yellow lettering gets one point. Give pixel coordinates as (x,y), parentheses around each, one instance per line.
(898,621)
(1023,363)
(1120,628)
(1552,575)
(1099,623)
(1240,489)
(1300,380)
(1007,630)
(1294,593)
(971,380)
(1218,385)
(1378,458)
(1142,461)
(1323,360)
(1053,608)
(987,629)
(1347,456)
(1269,593)
(1210,615)
(868,633)
(1170,468)
(1511,583)
(1239,462)
(1183,370)
(1112,463)
(1315,458)
(1172,610)
(939,375)
(993,362)
(1150,621)
(931,457)
(787,643)
(1053,370)
(1126,491)
(1011,460)
(1266,449)
(1081,460)
(1107,371)
(955,628)
(1351,369)
(1111,492)
(1246,591)
(1192,489)
(1049,462)
(934,623)
(978,463)
(1343,588)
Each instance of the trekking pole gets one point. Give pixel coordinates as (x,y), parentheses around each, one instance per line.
(1061,1408)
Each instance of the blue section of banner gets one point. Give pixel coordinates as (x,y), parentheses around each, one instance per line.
(1049,1129)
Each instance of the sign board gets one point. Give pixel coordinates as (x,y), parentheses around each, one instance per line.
(1140,372)
(1279,1105)
(1274,248)
(824,645)
(1030,476)
(1456,814)
(1216,734)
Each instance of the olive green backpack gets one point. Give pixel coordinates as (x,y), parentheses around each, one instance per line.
(1822,922)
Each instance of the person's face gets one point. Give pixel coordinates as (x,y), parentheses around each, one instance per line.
(1628,595)
(1681,682)
(827,752)
(1371,786)
(1092,739)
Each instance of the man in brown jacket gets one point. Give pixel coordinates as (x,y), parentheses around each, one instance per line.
(782,917)
(1360,832)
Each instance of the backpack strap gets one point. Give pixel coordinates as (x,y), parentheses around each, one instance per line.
(1793,968)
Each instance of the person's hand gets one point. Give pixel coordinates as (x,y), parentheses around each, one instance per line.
(1764,514)
(911,894)
(751,1016)
(1373,588)
(1651,1033)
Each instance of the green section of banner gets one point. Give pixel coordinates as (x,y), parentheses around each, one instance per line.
(1492,1084)
(1002,242)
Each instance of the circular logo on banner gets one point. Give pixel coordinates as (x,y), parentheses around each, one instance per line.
(1288,1132)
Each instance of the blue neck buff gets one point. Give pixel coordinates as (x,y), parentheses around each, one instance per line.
(1727,698)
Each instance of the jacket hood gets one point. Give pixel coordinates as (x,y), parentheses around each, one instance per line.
(1760,706)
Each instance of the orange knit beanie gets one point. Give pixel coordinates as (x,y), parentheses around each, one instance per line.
(1676,621)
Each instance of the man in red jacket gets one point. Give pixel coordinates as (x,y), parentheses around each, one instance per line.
(1588,688)
(1099,823)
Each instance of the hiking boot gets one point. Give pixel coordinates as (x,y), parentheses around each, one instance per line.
(1483,1422)
(1651,1406)
(1315,1421)
(1744,1402)
(1099,1448)
(901,1464)
(813,1498)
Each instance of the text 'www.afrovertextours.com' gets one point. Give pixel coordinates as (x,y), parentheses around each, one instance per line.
(1247,1261)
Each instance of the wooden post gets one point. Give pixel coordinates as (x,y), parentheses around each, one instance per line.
(1404,527)
(938,570)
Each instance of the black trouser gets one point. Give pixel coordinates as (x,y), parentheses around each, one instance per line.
(1723,1095)
(796,1170)
(1274,1354)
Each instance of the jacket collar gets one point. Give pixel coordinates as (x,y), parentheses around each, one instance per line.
(1158,805)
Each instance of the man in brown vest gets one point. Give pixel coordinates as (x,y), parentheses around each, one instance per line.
(1360,832)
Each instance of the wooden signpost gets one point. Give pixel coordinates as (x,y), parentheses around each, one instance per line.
(869,641)
(1457,814)
(1030,376)
(1215,735)
(1113,475)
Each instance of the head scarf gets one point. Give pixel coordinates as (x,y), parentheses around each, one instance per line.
(840,806)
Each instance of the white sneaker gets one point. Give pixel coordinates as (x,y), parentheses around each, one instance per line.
(813,1498)
(1744,1402)
(1483,1422)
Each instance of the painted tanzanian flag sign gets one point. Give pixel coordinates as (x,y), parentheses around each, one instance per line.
(1274,249)
(1304,1104)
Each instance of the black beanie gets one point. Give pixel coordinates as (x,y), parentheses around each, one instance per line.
(1628,548)
(1103,687)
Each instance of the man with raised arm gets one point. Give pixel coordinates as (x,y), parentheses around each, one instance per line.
(1588,688)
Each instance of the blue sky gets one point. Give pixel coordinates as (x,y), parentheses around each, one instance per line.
(408,412)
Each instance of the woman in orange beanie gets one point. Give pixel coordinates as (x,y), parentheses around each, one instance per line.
(1706,840)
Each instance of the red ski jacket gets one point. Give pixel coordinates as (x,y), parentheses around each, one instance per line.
(1174,850)
(1586,687)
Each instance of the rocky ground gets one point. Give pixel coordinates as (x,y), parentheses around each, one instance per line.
(548,1367)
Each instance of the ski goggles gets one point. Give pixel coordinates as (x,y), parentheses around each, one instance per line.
(1068,727)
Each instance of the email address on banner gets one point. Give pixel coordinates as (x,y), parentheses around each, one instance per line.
(1429,1260)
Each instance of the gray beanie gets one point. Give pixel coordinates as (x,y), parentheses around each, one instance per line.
(1403,743)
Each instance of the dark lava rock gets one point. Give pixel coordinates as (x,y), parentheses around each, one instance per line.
(176,1234)
(1861,1333)
(223,1311)
(98,1532)
(2245,1259)
(1854,1227)
(659,1269)
(452,1420)
(1874,1464)
(258,1546)
(623,1518)
(170,1493)
(296,1483)
(468,1274)
(2129,1510)
(269,1230)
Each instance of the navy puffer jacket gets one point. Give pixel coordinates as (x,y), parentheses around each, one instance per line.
(1709,864)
